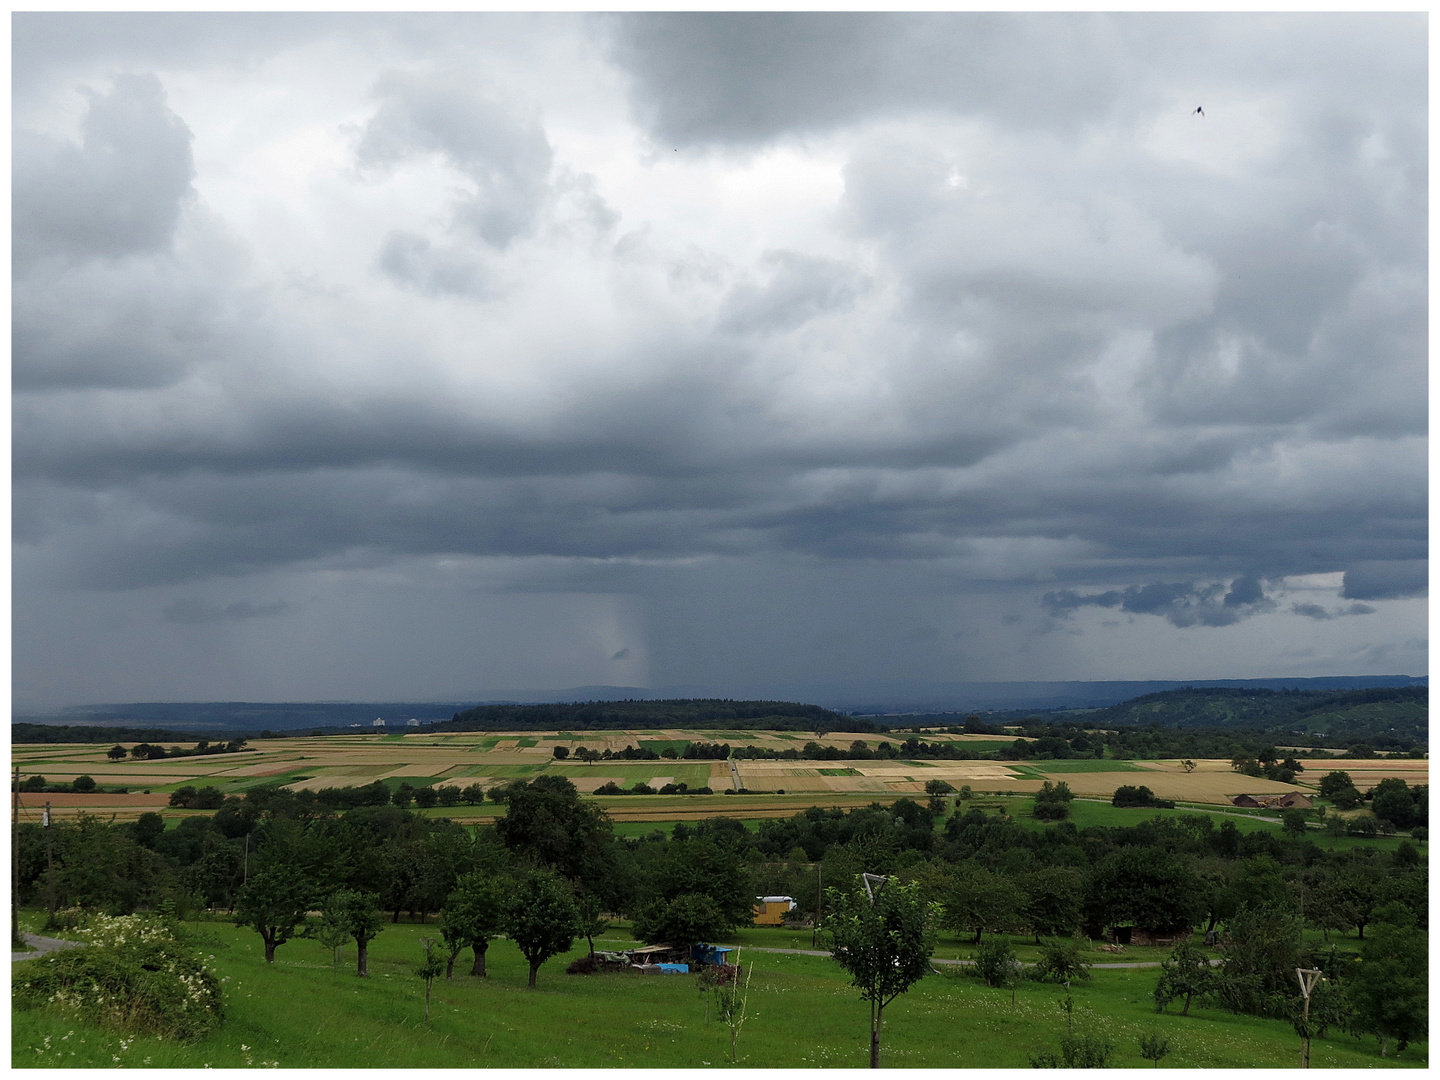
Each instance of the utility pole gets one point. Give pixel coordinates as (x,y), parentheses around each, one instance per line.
(819,902)
(49,860)
(15,939)
(1308,977)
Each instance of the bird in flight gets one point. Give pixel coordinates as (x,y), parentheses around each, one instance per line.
(1198,109)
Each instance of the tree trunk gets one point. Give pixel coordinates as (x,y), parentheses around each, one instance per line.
(479,966)
(534,970)
(427,1001)
(270,944)
(875,1012)
(450,963)
(396,917)
(1186,1011)
(978,931)
(1384,1045)
(361,952)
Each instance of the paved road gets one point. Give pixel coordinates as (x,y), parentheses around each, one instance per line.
(39,946)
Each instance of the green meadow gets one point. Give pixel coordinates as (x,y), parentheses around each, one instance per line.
(299,1013)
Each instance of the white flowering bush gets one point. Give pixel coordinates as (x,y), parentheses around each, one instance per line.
(135,974)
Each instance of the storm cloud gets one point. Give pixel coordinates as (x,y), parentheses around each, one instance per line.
(724,349)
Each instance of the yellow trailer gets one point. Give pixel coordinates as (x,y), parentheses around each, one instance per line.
(771,910)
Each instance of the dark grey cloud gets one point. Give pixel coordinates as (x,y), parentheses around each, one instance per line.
(1386,580)
(1324,614)
(1182,603)
(120,191)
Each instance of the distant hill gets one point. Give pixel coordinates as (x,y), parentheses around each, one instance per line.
(672,713)
(1345,716)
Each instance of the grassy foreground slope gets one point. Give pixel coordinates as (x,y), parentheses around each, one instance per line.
(801,1014)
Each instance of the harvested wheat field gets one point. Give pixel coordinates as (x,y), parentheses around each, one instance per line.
(1212,786)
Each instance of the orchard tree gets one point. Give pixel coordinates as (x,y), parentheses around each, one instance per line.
(359,913)
(1184,974)
(540,918)
(273,903)
(979,900)
(1054,900)
(1389,990)
(474,913)
(883,941)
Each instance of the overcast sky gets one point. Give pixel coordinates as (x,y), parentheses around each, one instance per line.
(371,357)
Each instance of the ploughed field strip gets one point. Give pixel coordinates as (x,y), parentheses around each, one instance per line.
(493,758)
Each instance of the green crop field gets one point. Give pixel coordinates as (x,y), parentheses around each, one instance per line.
(801,1014)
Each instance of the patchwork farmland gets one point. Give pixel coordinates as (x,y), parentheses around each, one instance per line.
(773,788)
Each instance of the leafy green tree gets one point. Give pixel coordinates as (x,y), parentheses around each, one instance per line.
(1052,801)
(331,931)
(273,904)
(1054,900)
(698,889)
(1390,987)
(1153,1047)
(684,920)
(589,917)
(426,797)
(546,820)
(1144,886)
(979,900)
(474,912)
(884,944)
(540,918)
(1293,821)
(359,913)
(1340,790)
(472,795)
(1394,802)
(1262,951)
(1184,975)
(116,752)
(149,828)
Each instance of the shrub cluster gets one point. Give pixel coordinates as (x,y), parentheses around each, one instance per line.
(1127,795)
(136,974)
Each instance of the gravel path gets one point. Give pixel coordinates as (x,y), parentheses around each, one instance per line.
(963,963)
(39,946)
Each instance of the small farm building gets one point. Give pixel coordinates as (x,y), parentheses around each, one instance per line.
(771,910)
(1275,802)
